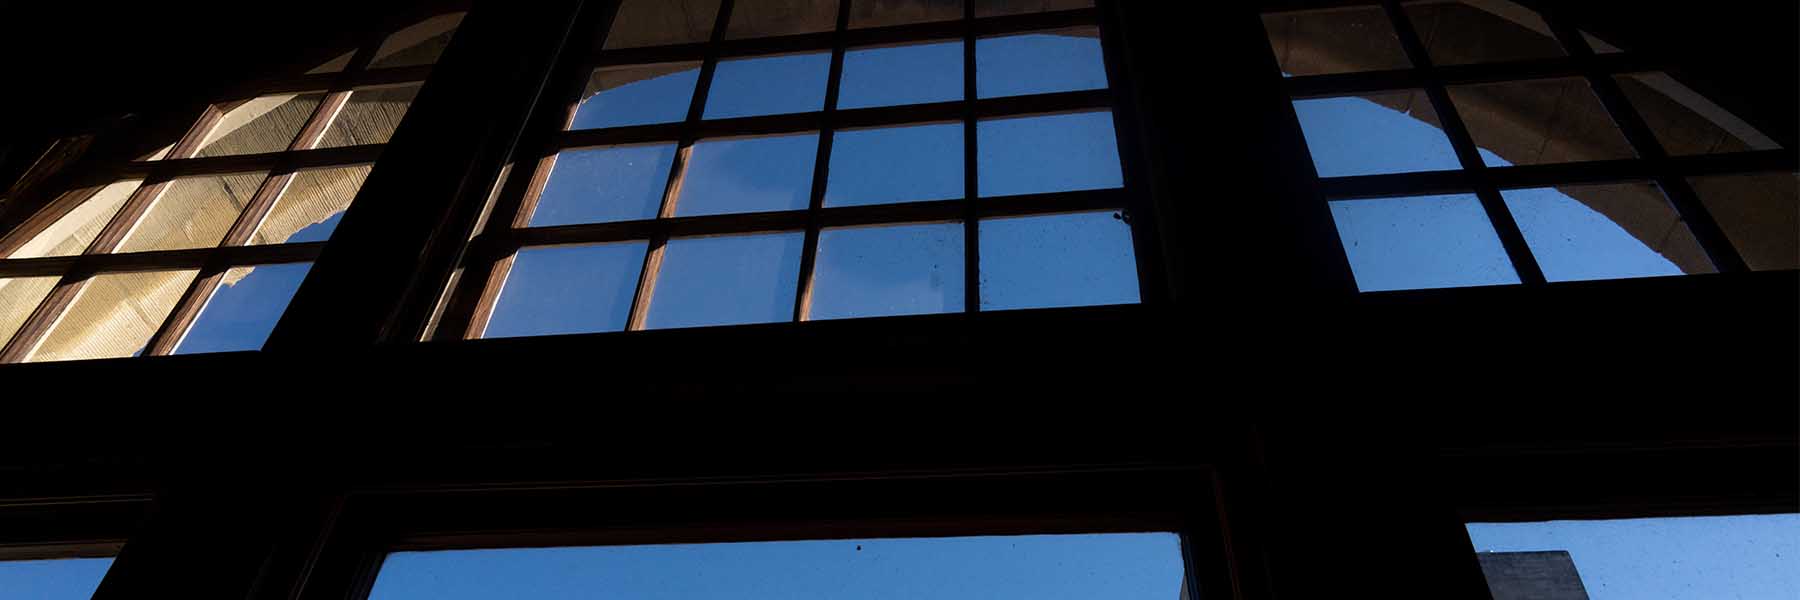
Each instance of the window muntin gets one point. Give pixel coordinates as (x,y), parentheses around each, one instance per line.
(841,139)
(1669,558)
(167,253)
(1558,141)
(1116,565)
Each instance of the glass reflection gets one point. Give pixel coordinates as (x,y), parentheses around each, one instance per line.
(637,95)
(370,116)
(1038,63)
(567,289)
(1421,242)
(1038,154)
(598,185)
(113,316)
(1393,132)
(895,164)
(309,209)
(902,74)
(192,212)
(1339,40)
(768,85)
(1605,232)
(1081,259)
(880,271)
(54,579)
(243,310)
(735,175)
(72,232)
(727,280)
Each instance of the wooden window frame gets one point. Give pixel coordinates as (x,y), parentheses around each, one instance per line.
(505,230)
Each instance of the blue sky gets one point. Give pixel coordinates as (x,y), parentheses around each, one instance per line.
(1748,557)
(61,579)
(1041,567)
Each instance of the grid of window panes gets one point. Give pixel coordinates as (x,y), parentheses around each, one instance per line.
(747,161)
(199,245)
(1476,142)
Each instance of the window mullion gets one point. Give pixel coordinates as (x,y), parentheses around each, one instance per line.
(971,183)
(1467,153)
(809,253)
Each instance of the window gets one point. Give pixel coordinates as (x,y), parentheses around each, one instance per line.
(52,579)
(1468,143)
(787,163)
(197,246)
(1671,558)
(1118,565)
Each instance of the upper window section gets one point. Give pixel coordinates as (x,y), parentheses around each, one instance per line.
(180,252)
(52,579)
(1477,142)
(790,163)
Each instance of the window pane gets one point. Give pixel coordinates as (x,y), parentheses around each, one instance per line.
(642,23)
(895,164)
(598,185)
(1058,153)
(994,8)
(258,125)
(113,316)
(1605,232)
(19,296)
(57,579)
(768,18)
(73,232)
(568,289)
(1539,122)
(1038,63)
(370,116)
(768,85)
(905,74)
(1394,132)
(244,309)
(883,13)
(1599,45)
(727,280)
(420,44)
(1672,558)
(880,271)
(192,212)
(309,209)
(1058,260)
(1687,123)
(1421,242)
(1759,213)
(335,65)
(1343,40)
(637,95)
(1117,565)
(748,175)
(1464,32)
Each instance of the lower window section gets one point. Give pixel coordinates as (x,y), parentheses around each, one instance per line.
(243,309)
(1145,566)
(1681,558)
(55,579)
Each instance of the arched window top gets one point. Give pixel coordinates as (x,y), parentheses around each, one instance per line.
(1478,142)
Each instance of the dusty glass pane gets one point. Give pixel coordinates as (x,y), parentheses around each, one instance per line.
(642,23)
(568,289)
(902,74)
(419,44)
(1759,213)
(258,125)
(1605,232)
(880,271)
(1145,566)
(73,232)
(113,316)
(727,280)
(768,18)
(1339,40)
(895,164)
(192,212)
(597,185)
(1685,122)
(1393,132)
(757,174)
(1461,32)
(1539,122)
(637,95)
(883,13)
(309,209)
(55,579)
(768,85)
(19,296)
(370,116)
(994,8)
(1057,153)
(1421,242)
(1081,259)
(1037,63)
(1667,558)
(243,310)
